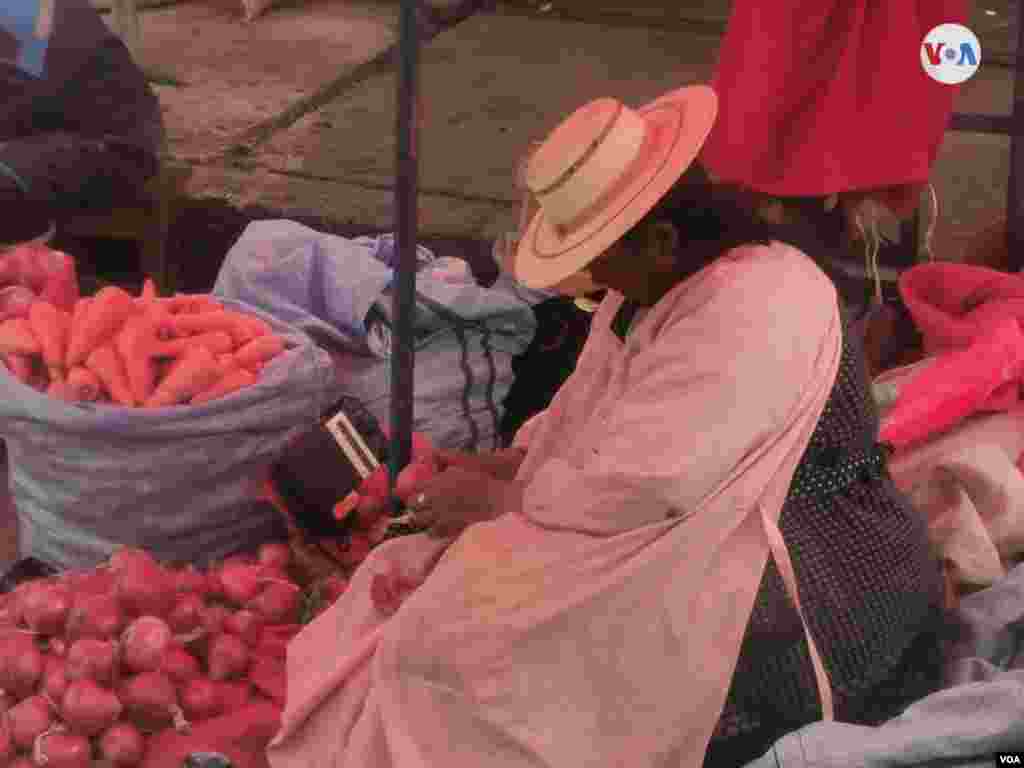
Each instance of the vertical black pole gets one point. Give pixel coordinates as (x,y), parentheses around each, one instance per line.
(404,291)
(1015,204)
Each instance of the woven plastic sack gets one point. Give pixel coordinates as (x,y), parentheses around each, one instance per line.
(182,481)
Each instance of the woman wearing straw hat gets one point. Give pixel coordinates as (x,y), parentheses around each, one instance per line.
(693,550)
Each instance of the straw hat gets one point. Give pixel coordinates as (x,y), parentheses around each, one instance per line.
(599,173)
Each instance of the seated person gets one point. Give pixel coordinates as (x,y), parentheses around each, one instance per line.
(79,126)
(614,588)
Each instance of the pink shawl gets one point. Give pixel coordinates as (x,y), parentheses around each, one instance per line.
(600,624)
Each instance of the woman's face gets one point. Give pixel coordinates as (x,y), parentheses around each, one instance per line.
(641,268)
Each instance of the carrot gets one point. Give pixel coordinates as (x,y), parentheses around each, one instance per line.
(232,381)
(203,322)
(106,363)
(247,328)
(51,326)
(78,313)
(191,304)
(218,342)
(194,371)
(110,309)
(259,351)
(164,327)
(84,384)
(20,367)
(137,345)
(16,337)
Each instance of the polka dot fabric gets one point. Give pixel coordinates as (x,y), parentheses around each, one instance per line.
(871,590)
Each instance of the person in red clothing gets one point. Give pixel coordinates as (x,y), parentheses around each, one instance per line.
(825,105)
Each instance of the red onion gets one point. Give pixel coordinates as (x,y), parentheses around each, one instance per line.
(89,709)
(187,614)
(55,679)
(189,580)
(145,589)
(233,695)
(278,603)
(179,665)
(130,556)
(92,659)
(122,745)
(7,748)
(45,608)
(245,624)
(95,616)
(275,555)
(200,699)
(228,657)
(214,618)
(150,700)
(144,643)
(241,583)
(57,749)
(28,719)
(21,663)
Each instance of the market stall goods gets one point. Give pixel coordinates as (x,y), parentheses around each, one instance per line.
(142,351)
(70,699)
(140,419)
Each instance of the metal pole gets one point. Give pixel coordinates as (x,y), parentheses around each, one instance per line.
(1015,203)
(404,291)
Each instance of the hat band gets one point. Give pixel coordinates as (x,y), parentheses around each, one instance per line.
(605,161)
(569,172)
(613,191)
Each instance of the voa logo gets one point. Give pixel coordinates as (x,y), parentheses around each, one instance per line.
(950,54)
(1008,760)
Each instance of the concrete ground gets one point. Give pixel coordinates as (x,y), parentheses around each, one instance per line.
(489,86)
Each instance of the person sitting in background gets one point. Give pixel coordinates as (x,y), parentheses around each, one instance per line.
(845,144)
(79,127)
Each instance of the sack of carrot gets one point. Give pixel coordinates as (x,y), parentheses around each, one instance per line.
(137,351)
(147,420)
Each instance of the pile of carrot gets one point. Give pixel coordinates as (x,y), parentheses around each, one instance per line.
(137,351)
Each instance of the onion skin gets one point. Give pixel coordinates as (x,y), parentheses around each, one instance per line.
(144,644)
(89,709)
(122,745)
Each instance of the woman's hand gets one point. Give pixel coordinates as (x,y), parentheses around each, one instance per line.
(501,465)
(458,497)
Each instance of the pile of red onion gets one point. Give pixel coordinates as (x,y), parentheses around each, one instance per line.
(93,663)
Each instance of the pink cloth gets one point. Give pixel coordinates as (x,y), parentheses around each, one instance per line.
(966,483)
(984,377)
(600,624)
(970,320)
(953,305)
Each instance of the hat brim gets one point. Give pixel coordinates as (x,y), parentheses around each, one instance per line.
(678,123)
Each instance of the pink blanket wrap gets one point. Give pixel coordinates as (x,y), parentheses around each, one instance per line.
(599,622)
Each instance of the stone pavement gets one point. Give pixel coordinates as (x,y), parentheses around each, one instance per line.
(489,86)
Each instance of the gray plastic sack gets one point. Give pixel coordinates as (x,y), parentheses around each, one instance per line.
(184,481)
